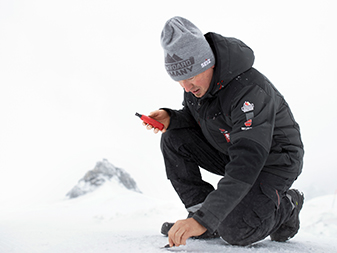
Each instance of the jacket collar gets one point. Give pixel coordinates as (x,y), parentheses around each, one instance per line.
(232,57)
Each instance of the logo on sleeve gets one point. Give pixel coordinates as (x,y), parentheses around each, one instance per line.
(248,109)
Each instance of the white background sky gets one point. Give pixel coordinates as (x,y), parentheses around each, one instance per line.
(73,73)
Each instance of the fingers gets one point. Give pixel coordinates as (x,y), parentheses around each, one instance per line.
(175,239)
(177,236)
(154,114)
(180,238)
(160,115)
(184,229)
(150,127)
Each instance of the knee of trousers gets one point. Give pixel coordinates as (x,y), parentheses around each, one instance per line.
(239,232)
(169,145)
(165,138)
(233,239)
(173,139)
(243,227)
(235,234)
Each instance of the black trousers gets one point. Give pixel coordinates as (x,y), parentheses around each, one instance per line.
(261,212)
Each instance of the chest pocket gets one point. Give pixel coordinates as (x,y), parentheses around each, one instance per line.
(217,119)
(215,126)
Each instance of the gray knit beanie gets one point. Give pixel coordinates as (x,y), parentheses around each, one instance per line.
(187,53)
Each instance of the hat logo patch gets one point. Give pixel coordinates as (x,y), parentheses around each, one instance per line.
(175,66)
(205,63)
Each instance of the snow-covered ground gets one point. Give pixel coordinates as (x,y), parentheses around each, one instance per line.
(74,72)
(114,219)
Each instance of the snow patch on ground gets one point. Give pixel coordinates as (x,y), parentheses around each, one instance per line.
(320,216)
(114,219)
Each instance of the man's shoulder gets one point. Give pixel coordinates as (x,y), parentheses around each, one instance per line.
(244,85)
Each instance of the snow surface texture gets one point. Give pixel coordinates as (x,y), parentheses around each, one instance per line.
(104,171)
(113,218)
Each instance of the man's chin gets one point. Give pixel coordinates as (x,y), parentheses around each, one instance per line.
(198,95)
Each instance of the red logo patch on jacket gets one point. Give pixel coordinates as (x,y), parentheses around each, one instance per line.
(248,109)
(248,123)
(226,134)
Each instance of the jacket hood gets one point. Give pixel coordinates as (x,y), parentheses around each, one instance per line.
(233,57)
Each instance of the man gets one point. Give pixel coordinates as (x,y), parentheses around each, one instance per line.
(236,124)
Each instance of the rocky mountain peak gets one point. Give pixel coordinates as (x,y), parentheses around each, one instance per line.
(103,172)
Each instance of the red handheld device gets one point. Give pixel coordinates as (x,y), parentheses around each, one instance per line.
(150,121)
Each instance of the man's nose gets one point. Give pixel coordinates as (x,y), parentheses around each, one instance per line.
(186,85)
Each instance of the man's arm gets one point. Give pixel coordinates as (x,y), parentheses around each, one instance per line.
(173,119)
(181,118)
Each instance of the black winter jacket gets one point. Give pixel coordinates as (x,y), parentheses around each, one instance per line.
(245,117)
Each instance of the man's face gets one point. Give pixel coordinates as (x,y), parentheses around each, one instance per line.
(199,84)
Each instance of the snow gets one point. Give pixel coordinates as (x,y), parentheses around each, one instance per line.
(114,219)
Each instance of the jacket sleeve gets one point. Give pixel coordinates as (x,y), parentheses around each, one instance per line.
(251,138)
(181,118)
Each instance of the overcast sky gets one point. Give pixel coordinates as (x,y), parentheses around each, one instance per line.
(73,73)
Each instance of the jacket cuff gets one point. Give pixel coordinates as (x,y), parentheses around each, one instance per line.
(207,219)
(168,110)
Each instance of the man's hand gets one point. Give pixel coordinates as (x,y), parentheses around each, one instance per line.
(162,116)
(184,229)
